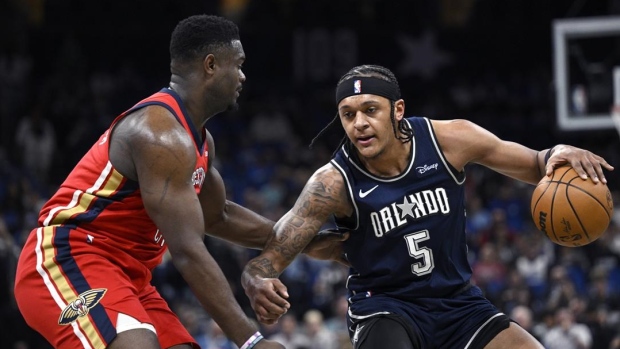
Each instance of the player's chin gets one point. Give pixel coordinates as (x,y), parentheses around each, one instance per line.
(234,106)
(368,152)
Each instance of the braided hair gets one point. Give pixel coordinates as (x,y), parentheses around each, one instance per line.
(402,130)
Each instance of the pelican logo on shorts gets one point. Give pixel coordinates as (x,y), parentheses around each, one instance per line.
(81,305)
(357,86)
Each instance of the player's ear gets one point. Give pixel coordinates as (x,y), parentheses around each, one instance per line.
(209,64)
(399,109)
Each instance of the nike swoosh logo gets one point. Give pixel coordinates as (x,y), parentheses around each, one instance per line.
(357,331)
(363,194)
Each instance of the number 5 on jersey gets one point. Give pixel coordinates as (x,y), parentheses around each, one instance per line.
(427,264)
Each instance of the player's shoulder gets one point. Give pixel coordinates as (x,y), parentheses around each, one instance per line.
(328,177)
(327,171)
(327,182)
(154,125)
(454,130)
(152,132)
(451,124)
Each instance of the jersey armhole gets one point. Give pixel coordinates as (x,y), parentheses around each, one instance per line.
(458,176)
(354,218)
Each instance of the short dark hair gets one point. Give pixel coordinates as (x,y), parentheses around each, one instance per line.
(199,35)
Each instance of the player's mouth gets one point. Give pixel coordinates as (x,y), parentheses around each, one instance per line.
(365,141)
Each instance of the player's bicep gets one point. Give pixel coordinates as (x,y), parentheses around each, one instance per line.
(169,199)
(164,162)
(464,142)
(506,157)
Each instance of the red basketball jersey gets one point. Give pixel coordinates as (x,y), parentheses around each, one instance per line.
(98,200)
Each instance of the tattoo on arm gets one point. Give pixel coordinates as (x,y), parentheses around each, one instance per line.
(323,195)
(317,201)
(262,267)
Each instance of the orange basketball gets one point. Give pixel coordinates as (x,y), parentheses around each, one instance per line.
(571,211)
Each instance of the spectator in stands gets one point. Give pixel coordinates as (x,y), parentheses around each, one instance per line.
(36,141)
(567,334)
(290,334)
(319,336)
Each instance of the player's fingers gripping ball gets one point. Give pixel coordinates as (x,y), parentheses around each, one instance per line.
(569,210)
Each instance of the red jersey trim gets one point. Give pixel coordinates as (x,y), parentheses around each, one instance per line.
(107,184)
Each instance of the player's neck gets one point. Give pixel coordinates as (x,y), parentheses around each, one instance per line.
(392,161)
(193,102)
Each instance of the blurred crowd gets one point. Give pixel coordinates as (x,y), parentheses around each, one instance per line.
(56,99)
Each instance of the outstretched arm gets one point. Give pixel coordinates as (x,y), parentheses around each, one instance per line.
(464,142)
(323,195)
(227,220)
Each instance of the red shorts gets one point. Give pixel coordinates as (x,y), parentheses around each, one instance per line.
(74,300)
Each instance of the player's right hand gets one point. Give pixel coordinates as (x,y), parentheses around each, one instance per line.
(584,162)
(268,298)
(267,344)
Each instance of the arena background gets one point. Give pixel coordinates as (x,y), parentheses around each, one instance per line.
(67,68)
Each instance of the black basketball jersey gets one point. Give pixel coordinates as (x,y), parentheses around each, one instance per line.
(407,232)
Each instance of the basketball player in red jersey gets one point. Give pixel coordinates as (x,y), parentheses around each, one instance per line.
(147,184)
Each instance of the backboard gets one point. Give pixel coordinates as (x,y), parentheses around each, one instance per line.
(585,52)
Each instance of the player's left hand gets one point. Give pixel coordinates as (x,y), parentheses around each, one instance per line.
(268,298)
(327,245)
(585,163)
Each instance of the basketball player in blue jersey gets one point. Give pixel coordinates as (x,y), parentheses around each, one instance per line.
(396,184)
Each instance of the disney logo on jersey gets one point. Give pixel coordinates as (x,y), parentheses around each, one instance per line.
(81,305)
(423,169)
(198,177)
(414,206)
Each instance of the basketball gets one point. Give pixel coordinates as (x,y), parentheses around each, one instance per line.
(571,211)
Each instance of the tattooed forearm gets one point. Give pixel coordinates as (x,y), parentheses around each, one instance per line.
(322,196)
(291,240)
(262,267)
